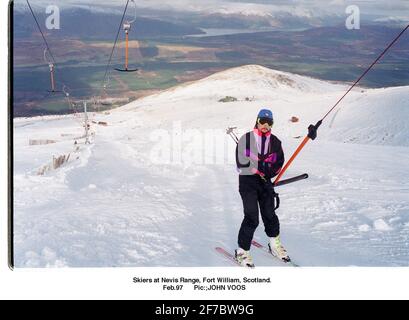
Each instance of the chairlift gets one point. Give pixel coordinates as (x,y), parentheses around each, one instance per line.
(66,92)
(99,101)
(52,71)
(127,28)
(106,86)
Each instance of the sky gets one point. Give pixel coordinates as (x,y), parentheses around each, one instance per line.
(385,8)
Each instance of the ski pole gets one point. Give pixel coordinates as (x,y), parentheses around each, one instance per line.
(230,132)
(312,130)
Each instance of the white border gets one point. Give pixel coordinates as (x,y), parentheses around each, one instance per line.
(289,283)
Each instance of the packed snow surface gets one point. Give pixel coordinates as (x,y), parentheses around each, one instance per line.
(158,185)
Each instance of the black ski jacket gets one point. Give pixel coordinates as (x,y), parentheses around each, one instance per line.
(258,154)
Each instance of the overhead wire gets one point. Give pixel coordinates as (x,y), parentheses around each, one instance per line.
(41,31)
(115,43)
(312,134)
(52,56)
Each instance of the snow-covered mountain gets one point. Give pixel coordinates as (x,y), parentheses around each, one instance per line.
(376,116)
(158,185)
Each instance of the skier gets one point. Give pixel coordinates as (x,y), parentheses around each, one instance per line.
(259,158)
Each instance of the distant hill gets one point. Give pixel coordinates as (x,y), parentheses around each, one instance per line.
(329,53)
(95,25)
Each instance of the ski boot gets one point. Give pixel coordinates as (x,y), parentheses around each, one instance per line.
(244,258)
(277,249)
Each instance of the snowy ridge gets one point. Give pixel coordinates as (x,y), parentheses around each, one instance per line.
(258,81)
(378,116)
(117,203)
(360,119)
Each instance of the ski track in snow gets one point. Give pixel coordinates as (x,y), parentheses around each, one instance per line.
(111,206)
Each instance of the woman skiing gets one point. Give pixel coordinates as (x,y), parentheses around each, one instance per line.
(259,157)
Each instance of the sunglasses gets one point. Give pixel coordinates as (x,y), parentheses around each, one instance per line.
(263,121)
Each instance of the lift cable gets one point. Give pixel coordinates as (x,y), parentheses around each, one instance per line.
(115,43)
(312,130)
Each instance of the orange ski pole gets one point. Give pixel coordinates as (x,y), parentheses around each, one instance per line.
(312,134)
(291,160)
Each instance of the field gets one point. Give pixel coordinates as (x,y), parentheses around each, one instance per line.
(325,53)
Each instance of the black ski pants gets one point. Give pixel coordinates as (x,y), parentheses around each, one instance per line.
(257,193)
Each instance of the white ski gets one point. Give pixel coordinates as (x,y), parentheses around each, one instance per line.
(267,251)
(230,257)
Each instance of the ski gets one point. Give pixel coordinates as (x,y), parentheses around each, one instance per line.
(229,257)
(267,251)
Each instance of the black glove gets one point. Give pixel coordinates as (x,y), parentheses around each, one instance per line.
(313,130)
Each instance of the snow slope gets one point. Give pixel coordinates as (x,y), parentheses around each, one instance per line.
(126,200)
